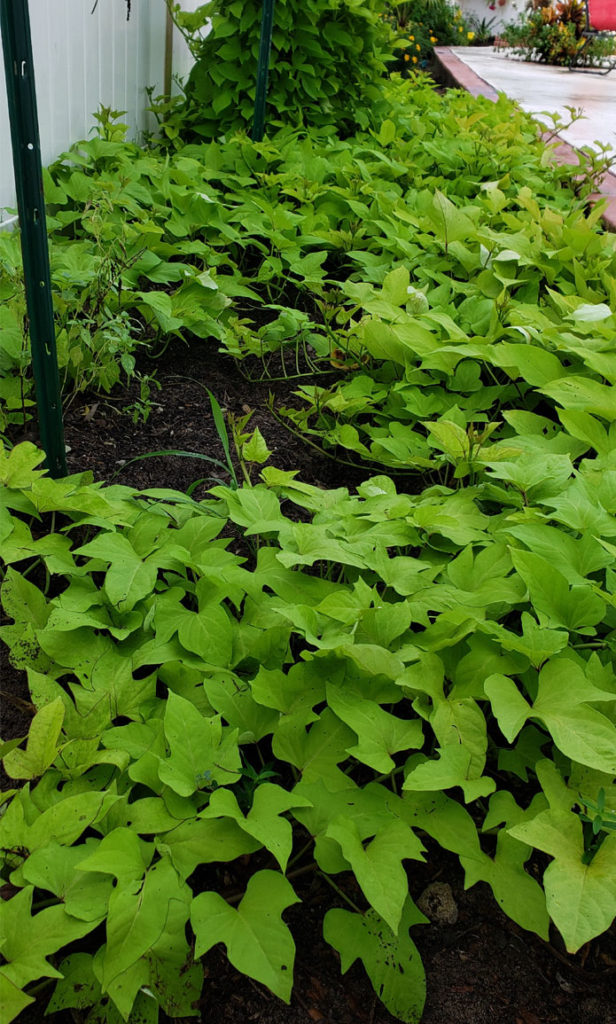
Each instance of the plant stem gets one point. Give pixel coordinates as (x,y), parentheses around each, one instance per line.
(342,894)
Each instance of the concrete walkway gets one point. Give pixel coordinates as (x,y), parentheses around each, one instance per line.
(538,88)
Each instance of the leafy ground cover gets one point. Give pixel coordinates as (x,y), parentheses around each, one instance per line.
(529,979)
(262,246)
(236,689)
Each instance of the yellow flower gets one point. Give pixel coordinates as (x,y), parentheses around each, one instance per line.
(414,60)
(412,38)
(433,39)
(417,46)
(470,35)
(460,29)
(406,57)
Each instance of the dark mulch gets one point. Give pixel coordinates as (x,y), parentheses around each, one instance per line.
(481,970)
(101,438)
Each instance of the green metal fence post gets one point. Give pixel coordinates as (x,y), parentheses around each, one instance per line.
(265,46)
(21,93)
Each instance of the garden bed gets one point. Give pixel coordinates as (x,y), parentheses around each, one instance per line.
(480,969)
(355,634)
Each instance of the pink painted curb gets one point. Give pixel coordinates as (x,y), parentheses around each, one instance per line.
(454,72)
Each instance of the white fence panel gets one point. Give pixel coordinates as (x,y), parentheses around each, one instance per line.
(83,60)
(498,14)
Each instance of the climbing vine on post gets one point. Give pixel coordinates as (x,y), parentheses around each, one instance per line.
(326,65)
(265,46)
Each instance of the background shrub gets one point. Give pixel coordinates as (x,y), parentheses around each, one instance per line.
(420,25)
(552,34)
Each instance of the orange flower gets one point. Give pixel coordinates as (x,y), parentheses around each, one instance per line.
(406,57)
(414,60)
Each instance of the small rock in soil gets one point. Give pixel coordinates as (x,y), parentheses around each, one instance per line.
(437,903)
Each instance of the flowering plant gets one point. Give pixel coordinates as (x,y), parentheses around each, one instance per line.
(552,33)
(424,24)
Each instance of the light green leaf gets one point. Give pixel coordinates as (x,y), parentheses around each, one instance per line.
(536,643)
(581,898)
(160,303)
(233,699)
(255,449)
(12,999)
(585,394)
(462,722)
(452,827)
(85,895)
(205,842)
(120,853)
(578,730)
(448,437)
(27,940)
(7,745)
(150,815)
(17,469)
(137,917)
(379,734)
(127,583)
(22,600)
(258,943)
(559,605)
(175,981)
(318,752)
(591,313)
(536,476)
(515,890)
(378,866)
(533,364)
(263,821)
(67,819)
(128,578)
(387,132)
(585,427)
(396,282)
(201,752)
(391,959)
(452,768)
(374,659)
(78,988)
(207,633)
(42,744)
(508,705)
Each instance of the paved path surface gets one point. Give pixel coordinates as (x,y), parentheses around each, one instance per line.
(539,88)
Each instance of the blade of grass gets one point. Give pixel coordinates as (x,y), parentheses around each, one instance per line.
(221,430)
(183,455)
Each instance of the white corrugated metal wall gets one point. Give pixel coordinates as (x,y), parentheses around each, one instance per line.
(82,60)
(492,11)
